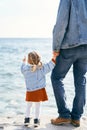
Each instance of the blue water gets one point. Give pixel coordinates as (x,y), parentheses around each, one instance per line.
(12,85)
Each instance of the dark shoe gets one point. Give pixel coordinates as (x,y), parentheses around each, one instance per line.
(26,121)
(75,123)
(60,121)
(36,122)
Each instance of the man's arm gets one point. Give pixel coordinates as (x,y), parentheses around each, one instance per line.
(61,24)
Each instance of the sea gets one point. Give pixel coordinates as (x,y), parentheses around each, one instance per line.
(12,84)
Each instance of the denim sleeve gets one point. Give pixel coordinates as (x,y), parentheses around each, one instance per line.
(24,68)
(48,67)
(60,27)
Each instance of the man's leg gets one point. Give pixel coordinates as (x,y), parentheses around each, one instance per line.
(79,71)
(63,65)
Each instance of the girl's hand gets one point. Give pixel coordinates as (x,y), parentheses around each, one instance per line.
(24,59)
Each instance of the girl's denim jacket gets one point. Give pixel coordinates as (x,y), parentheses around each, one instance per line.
(36,80)
(70,29)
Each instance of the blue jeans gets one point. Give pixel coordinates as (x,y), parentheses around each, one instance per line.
(78,58)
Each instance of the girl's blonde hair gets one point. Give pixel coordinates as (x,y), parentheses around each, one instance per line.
(34,60)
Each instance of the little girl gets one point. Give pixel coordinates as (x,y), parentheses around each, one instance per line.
(34,73)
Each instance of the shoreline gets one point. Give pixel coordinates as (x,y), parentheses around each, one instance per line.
(16,123)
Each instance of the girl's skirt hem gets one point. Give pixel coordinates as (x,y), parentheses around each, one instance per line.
(37,95)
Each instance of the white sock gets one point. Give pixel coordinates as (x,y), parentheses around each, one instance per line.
(37,110)
(28,108)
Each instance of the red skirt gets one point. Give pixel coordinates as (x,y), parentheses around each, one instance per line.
(37,95)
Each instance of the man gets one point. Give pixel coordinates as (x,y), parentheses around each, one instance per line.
(70,46)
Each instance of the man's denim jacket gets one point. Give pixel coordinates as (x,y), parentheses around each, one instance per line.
(70,29)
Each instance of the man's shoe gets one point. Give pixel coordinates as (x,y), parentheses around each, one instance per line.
(60,121)
(26,121)
(76,123)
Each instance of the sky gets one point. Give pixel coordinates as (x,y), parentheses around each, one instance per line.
(27,18)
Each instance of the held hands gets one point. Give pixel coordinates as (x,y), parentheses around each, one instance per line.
(55,54)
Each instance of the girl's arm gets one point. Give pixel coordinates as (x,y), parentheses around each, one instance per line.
(24,67)
(48,66)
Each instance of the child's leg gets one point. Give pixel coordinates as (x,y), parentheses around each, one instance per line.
(28,108)
(37,110)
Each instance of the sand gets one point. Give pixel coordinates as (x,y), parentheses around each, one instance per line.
(16,123)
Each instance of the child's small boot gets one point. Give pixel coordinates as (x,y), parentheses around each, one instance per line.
(36,122)
(27,121)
